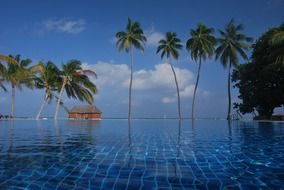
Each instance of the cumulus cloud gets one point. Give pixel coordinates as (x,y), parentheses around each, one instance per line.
(158,80)
(64,25)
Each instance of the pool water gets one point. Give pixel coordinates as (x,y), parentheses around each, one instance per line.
(143,154)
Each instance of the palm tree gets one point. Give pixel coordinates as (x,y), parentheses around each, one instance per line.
(76,83)
(49,80)
(132,37)
(201,46)
(7,59)
(18,75)
(277,40)
(231,44)
(2,70)
(278,37)
(169,47)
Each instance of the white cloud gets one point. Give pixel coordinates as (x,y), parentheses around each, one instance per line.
(153,37)
(109,74)
(187,91)
(168,100)
(64,25)
(158,80)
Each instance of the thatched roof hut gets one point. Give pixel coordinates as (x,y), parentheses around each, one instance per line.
(85,112)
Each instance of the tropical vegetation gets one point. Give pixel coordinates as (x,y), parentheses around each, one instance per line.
(231,45)
(170,47)
(201,46)
(261,80)
(18,75)
(76,83)
(132,37)
(49,80)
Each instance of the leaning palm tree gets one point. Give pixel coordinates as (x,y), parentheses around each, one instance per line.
(231,44)
(132,37)
(76,83)
(169,47)
(2,70)
(18,75)
(7,59)
(49,80)
(201,46)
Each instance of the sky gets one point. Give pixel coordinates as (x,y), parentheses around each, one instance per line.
(85,30)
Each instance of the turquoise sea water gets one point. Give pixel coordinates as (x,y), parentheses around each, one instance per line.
(143,154)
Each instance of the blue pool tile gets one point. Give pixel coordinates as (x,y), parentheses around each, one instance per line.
(150,154)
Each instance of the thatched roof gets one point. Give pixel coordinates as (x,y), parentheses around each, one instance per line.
(85,109)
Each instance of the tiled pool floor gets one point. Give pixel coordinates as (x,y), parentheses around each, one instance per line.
(146,154)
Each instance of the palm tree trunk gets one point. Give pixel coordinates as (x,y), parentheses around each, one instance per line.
(229,92)
(13,102)
(59,98)
(195,88)
(41,107)
(130,85)
(179,113)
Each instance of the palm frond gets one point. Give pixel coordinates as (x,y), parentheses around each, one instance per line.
(8,59)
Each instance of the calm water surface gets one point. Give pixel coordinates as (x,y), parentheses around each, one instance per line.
(143,154)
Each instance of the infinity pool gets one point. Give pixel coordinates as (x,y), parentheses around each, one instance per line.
(143,154)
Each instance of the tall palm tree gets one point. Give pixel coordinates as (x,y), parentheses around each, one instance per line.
(18,75)
(76,83)
(201,46)
(8,60)
(133,36)
(49,80)
(169,47)
(232,44)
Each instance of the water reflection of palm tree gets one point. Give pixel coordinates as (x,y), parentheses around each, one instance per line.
(129,143)
(178,147)
(11,137)
(178,139)
(230,135)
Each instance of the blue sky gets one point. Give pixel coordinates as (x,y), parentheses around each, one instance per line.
(85,30)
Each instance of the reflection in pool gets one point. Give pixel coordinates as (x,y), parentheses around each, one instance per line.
(143,154)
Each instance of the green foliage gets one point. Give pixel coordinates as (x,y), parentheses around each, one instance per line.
(201,45)
(231,44)
(202,42)
(169,46)
(76,81)
(7,59)
(48,79)
(133,36)
(261,81)
(19,74)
